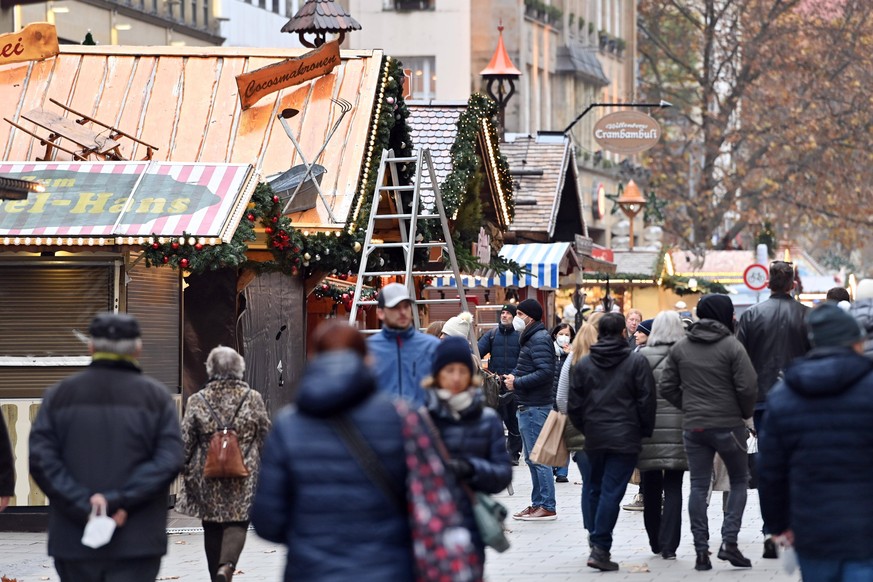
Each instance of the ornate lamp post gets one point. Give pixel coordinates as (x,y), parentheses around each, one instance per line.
(502,73)
(631,203)
(320,17)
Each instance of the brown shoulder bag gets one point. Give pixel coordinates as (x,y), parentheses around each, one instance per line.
(224,458)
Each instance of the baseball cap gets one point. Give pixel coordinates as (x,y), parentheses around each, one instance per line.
(393,294)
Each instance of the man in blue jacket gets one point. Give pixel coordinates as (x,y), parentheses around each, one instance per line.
(402,354)
(814,466)
(502,343)
(532,380)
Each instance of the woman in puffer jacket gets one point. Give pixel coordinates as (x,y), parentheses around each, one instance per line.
(662,462)
(563,335)
(472,433)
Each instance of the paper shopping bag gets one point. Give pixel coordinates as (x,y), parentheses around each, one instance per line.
(550,448)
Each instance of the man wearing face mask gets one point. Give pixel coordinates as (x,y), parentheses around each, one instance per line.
(532,380)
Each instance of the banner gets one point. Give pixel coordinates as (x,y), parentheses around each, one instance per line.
(34,42)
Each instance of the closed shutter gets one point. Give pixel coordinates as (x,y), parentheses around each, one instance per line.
(40,306)
(154,298)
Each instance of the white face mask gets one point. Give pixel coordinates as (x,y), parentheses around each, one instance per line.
(518,323)
(562,340)
(456,402)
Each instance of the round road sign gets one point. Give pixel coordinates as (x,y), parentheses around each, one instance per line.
(755,277)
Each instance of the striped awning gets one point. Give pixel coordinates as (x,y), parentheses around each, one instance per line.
(545,263)
(125,202)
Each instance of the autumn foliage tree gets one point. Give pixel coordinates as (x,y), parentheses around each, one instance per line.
(771,118)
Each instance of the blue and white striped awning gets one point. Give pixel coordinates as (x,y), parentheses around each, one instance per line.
(544,261)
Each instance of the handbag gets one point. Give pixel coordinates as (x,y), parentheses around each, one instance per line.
(224,458)
(491,388)
(550,448)
(488,513)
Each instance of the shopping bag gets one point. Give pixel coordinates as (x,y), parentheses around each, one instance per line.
(490,515)
(550,448)
(99,529)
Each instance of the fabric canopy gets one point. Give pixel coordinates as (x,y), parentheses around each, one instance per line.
(545,262)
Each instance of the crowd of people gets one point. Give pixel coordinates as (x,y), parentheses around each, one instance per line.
(377,470)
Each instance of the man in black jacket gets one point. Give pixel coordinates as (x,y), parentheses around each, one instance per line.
(532,380)
(612,401)
(502,343)
(7,467)
(774,333)
(107,439)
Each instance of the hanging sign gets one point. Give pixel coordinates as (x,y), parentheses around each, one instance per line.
(261,82)
(34,42)
(627,132)
(755,277)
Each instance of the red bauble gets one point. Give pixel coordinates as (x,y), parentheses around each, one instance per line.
(275,199)
(251,217)
(275,219)
(166,260)
(268,230)
(198,247)
(346,297)
(294,270)
(343,277)
(175,245)
(325,287)
(156,246)
(183,263)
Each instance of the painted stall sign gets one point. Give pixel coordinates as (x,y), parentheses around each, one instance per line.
(34,42)
(261,82)
(627,132)
(127,199)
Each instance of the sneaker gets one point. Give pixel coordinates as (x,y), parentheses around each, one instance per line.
(636,504)
(601,560)
(703,562)
(524,512)
(770,551)
(732,554)
(561,479)
(540,514)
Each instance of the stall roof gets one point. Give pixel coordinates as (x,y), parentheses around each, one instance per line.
(545,263)
(434,125)
(184,101)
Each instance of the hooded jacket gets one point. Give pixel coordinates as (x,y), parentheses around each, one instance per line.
(814,462)
(862,311)
(612,397)
(502,343)
(709,377)
(535,371)
(312,494)
(665,449)
(773,332)
(401,361)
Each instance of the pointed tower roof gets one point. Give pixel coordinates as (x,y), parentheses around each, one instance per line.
(320,17)
(500,63)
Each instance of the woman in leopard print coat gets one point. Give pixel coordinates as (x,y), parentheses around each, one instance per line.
(223,503)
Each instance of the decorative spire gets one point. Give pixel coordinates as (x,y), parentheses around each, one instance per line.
(500,63)
(320,17)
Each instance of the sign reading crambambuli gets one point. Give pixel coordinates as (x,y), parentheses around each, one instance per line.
(256,84)
(627,132)
(32,43)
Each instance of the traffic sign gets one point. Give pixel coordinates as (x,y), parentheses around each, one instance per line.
(755,277)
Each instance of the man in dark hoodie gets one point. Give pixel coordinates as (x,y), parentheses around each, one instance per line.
(815,466)
(708,375)
(612,401)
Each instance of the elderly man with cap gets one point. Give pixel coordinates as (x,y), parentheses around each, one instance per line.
(402,355)
(532,381)
(814,466)
(501,343)
(107,441)
(709,377)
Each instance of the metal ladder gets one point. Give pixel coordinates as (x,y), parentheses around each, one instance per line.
(408,223)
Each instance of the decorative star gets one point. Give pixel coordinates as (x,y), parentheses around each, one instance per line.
(654,210)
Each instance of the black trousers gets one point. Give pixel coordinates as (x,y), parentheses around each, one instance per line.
(224,543)
(664,527)
(507,410)
(122,570)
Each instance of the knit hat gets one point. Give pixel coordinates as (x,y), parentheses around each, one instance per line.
(452,350)
(510,308)
(531,308)
(831,326)
(864,289)
(717,307)
(459,325)
(646,326)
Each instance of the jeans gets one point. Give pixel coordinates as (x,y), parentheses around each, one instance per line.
(121,570)
(610,473)
(817,570)
(664,526)
(758,420)
(562,471)
(530,422)
(701,446)
(506,408)
(585,469)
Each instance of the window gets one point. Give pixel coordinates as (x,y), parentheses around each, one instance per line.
(403,5)
(422,71)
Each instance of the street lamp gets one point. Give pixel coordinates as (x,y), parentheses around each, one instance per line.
(503,73)
(631,202)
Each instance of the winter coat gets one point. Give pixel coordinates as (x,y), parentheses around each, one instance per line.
(502,343)
(560,358)
(313,495)
(7,463)
(709,377)
(112,430)
(665,449)
(862,311)
(774,333)
(574,439)
(221,500)
(401,361)
(814,462)
(612,398)
(476,437)
(535,371)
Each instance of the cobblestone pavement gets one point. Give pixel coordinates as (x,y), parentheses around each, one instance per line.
(551,551)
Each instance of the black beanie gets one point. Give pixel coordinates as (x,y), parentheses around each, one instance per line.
(531,308)
(717,307)
(829,325)
(451,350)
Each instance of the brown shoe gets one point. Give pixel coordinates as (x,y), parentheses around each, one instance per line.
(225,573)
(524,512)
(540,514)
